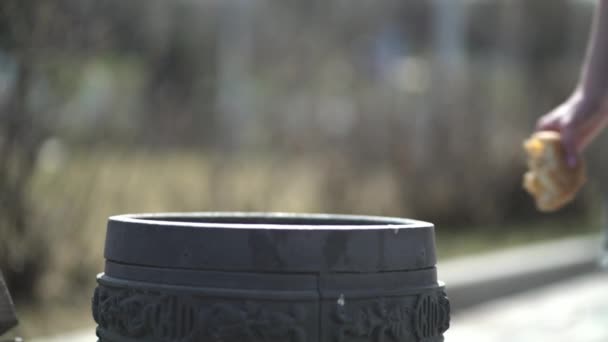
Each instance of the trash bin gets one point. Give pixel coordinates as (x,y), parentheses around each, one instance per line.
(239,277)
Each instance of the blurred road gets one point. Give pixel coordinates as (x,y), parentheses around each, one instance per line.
(572,310)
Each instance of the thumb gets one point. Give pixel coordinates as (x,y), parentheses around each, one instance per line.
(547,123)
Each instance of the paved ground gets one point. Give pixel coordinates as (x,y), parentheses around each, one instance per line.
(573,310)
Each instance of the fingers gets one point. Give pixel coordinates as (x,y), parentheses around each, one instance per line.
(569,142)
(561,121)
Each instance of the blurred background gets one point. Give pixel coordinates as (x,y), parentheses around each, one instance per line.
(413,108)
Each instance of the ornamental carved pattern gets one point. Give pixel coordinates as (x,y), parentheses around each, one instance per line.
(432,316)
(385,320)
(151,315)
(377,322)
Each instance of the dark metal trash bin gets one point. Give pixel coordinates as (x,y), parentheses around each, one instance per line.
(236,277)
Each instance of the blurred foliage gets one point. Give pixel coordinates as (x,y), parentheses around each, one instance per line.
(408,108)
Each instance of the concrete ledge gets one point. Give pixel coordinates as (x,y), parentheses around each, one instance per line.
(477,279)
(85,335)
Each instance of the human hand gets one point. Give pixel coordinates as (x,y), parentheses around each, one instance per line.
(578,120)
